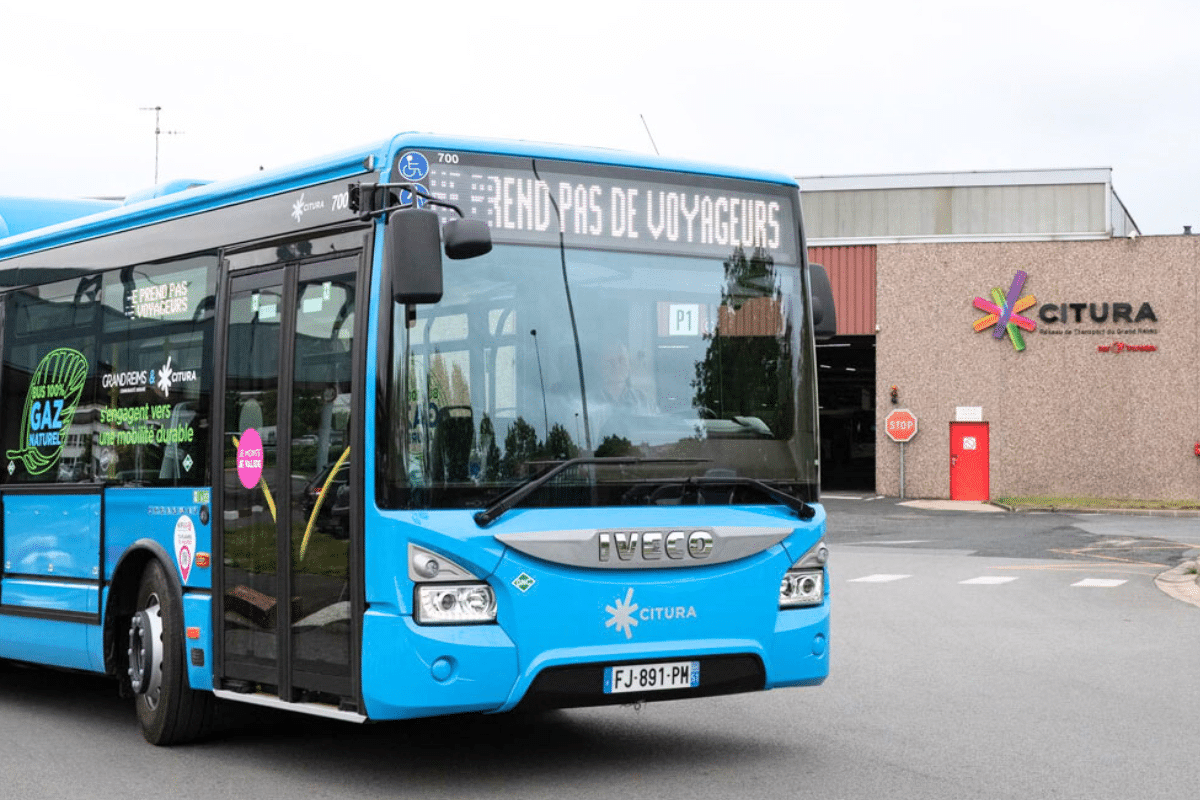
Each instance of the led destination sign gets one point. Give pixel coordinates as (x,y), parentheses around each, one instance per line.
(607,207)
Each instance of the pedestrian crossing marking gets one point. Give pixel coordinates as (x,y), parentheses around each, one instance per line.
(988,580)
(1100,583)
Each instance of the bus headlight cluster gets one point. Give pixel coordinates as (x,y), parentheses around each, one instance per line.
(801,587)
(447,593)
(804,583)
(455,604)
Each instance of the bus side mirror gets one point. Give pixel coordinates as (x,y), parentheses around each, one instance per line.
(467,238)
(821,294)
(414,256)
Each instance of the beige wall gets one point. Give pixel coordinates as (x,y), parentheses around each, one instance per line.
(1064,419)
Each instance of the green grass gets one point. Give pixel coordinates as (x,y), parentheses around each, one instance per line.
(1098,503)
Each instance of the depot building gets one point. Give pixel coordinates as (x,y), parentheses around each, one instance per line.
(1043,346)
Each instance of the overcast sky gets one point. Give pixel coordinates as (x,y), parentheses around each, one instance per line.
(806,88)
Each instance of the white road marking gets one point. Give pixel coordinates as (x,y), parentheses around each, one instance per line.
(1100,583)
(879,578)
(992,580)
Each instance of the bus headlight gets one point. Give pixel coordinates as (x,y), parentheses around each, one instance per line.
(801,587)
(804,583)
(455,604)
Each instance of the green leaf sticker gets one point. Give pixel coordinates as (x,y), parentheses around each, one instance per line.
(54,392)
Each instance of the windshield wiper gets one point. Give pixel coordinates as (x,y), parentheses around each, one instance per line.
(695,485)
(509,499)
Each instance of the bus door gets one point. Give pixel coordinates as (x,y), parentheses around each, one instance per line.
(289,504)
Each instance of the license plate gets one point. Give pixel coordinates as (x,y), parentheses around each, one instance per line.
(652,677)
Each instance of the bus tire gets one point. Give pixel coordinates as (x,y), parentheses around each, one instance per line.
(170,711)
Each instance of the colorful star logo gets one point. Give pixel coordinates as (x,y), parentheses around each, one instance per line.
(1004,313)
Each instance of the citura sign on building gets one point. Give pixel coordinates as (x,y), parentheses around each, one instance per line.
(900,425)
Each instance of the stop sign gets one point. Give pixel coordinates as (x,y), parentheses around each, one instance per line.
(901,425)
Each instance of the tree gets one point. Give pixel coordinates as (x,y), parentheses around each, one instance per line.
(491,455)
(520,447)
(559,446)
(613,446)
(746,370)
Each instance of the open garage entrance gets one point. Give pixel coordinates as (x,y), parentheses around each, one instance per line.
(846,370)
(846,388)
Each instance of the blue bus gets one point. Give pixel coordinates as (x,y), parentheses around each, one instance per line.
(432,426)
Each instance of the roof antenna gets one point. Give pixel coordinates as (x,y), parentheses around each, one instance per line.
(648,133)
(158,131)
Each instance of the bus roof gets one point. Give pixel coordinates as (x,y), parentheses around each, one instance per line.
(22,214)
(591,155)
(28,226)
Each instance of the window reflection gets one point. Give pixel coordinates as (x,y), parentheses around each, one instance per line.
(109,374)
(668,358)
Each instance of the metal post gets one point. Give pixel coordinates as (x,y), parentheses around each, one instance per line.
(158,131)
(902,470)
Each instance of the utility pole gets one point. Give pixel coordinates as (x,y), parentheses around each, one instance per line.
(158,131)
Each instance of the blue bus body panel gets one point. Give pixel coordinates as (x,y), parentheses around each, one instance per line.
(50,595)
(52,535)
(197,614)
(553,615)
(170,518)
(52,548)
(401,659)
(51,642)
(51,569)
(141,515)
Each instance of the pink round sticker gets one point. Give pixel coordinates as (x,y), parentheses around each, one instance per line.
(250,458)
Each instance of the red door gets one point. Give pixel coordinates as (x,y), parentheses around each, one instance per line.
(969,461)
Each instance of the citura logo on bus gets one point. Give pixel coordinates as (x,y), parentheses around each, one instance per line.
(654,545)
(299,207)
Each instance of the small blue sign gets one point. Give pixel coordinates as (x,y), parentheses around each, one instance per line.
(413,167)
(406,197)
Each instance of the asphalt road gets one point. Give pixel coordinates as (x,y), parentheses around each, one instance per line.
(958,670)
(1118,538)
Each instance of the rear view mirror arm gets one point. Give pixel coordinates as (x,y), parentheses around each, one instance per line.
(376,199)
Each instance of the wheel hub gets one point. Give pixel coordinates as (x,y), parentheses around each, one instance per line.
(145,652)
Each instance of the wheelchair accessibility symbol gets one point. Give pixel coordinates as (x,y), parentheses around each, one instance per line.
(413,167)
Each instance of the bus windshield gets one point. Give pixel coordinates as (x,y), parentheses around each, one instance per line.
(622,314)
(690,363)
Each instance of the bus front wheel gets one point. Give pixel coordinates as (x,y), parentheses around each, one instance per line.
(170,712)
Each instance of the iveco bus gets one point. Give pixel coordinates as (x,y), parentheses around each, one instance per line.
(432,426)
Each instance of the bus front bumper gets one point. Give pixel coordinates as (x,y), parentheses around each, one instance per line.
(411,670)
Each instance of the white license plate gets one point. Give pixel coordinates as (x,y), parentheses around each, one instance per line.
(651,677)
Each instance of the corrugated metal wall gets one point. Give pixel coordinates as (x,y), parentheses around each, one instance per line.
(852,273)
(1055,211)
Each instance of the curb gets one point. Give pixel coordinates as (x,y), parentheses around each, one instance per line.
(1181,582)
(1128,512)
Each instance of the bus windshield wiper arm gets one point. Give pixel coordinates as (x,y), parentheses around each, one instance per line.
(802,509)
(509,499)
